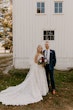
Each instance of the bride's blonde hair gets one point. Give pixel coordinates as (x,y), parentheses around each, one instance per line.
(39,49)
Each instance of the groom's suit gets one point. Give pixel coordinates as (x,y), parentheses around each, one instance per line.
(50,67)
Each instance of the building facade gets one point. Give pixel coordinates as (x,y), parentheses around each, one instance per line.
(34,22)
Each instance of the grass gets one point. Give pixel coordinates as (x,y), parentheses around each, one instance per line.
(14,78)
(63,100)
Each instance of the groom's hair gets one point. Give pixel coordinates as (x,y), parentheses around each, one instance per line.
(47,42)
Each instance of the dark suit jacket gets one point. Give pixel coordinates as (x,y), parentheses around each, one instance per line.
(52,60)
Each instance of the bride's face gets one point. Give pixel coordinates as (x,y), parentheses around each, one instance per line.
(39,49)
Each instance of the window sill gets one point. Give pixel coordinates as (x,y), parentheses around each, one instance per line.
(58,13)
(58,0)
(40,14)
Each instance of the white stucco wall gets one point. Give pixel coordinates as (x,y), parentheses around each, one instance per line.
(28,27)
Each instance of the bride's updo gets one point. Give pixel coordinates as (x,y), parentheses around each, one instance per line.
(39,49)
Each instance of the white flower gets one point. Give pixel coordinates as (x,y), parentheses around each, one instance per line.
(45,60)
(40,61)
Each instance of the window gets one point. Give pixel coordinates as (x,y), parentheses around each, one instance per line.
(58,7)
(48,35)
(40,7)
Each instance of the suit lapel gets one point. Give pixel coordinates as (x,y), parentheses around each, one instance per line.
(50,56)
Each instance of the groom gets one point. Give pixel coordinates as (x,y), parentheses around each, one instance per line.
(51,57)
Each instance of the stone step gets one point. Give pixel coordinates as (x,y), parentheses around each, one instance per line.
(5,65)
(5,60)
(4,57)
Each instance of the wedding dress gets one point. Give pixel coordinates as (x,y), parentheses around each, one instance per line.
(30,90)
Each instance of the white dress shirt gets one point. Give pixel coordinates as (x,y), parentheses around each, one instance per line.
(47,54)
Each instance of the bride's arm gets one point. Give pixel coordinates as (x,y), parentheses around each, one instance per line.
(36,59)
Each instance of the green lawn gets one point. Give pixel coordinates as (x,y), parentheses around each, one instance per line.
(63,100)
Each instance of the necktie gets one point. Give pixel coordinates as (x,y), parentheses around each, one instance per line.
(46,53)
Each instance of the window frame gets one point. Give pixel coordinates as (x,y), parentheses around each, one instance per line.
(58,12)
(40,7)
(48,37)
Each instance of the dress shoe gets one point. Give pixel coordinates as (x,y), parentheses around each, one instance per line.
(53,92)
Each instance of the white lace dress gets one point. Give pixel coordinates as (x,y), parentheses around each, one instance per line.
(29,91)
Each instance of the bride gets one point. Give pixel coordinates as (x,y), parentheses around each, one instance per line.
(31,89)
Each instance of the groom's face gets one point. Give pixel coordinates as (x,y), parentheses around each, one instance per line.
(46,45)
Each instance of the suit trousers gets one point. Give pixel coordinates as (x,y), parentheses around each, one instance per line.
(50,73)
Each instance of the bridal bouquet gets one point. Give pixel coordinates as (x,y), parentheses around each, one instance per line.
(42,61)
